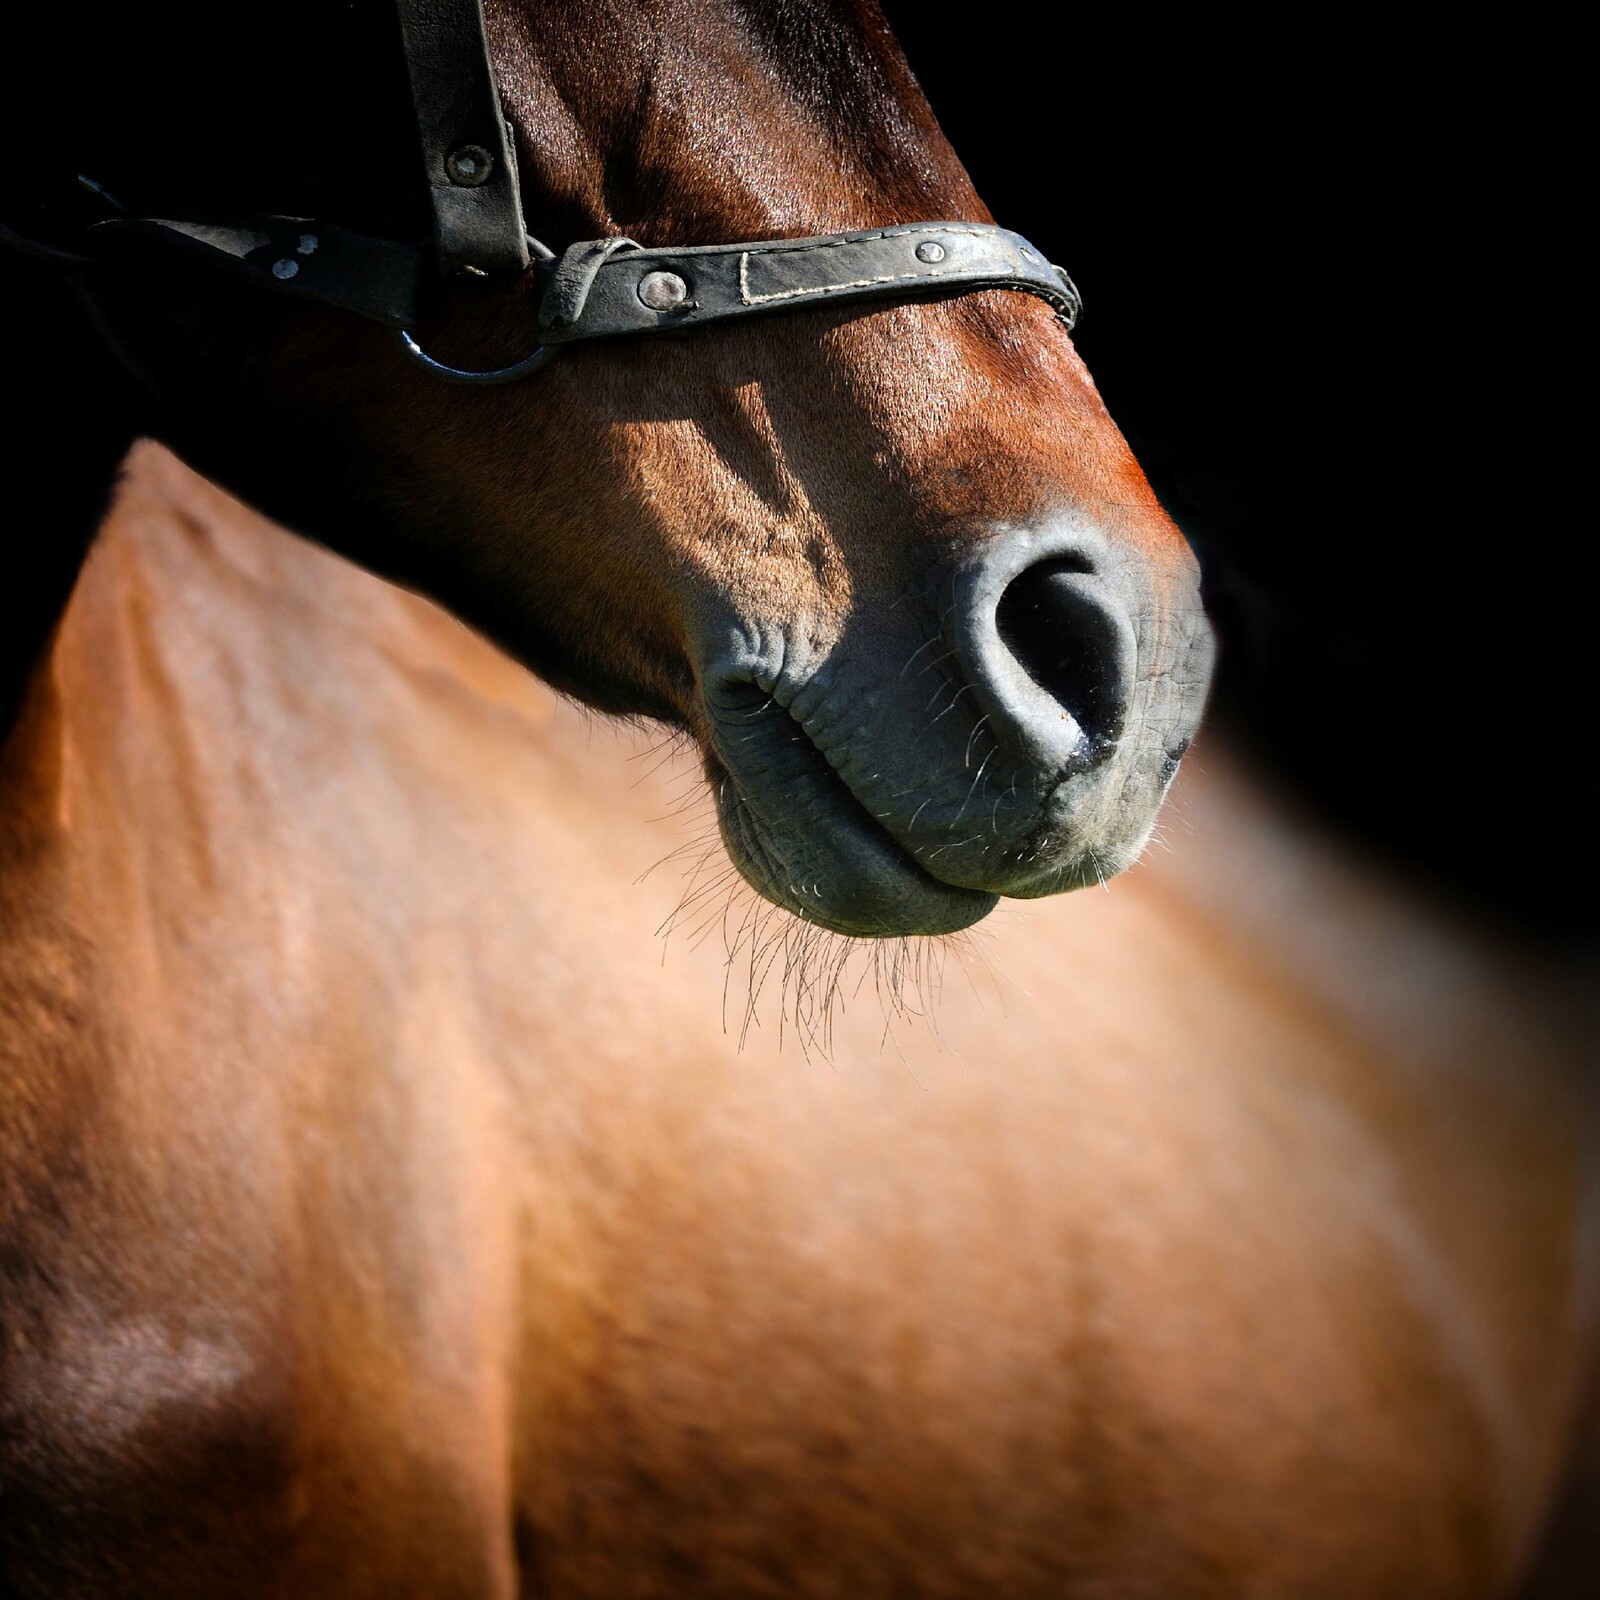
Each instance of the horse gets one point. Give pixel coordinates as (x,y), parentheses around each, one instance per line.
(385,1216)
(378,1219)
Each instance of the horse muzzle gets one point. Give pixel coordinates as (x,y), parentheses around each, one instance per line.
(1008,729)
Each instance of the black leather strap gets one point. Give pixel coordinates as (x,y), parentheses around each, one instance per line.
(375,278)
(609,287)
(601,288)
(466,150)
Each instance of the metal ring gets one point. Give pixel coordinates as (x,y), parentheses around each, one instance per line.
(519,369)
(539,252)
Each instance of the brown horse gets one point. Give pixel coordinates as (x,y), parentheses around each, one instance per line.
(384,1216)
(374,1220)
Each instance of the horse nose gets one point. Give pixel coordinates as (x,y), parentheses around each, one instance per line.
(1048,648)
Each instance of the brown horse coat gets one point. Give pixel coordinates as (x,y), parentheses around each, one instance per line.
(381,1214)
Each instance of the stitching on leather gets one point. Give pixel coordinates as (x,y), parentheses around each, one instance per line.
(851,283)
(781,248)
(1062,303)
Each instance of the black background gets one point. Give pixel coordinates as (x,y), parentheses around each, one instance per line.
(1322,267)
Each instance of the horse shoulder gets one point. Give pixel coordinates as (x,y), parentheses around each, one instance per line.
(247,1225)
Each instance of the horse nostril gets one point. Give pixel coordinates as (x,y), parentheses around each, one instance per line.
(1068,642)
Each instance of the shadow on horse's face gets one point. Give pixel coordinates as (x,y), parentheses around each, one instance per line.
(894,569)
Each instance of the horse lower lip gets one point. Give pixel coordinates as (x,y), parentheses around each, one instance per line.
(843,869)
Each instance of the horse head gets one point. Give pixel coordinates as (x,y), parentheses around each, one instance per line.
(891,565)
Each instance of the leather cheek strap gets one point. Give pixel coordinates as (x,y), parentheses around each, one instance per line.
(467,154)
(609,288)
(299,256)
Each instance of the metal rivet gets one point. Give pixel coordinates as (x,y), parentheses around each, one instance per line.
(285,268)
(469,165)
(663,291)
(307,245)
(930,252)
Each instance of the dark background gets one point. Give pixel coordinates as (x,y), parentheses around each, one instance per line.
(1322,271)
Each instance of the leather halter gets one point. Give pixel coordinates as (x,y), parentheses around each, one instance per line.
(597,289)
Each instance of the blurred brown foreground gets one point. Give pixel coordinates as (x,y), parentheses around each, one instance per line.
(428,1232)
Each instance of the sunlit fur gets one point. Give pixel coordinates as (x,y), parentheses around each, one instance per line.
(385,1211)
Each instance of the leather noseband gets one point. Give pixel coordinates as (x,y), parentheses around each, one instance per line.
(598,289)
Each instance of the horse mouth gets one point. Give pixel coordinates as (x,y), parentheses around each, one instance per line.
(879,788)
(801,836)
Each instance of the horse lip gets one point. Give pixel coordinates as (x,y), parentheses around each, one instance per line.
(855,807)
(861,854)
